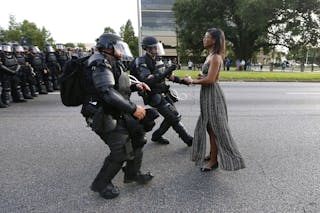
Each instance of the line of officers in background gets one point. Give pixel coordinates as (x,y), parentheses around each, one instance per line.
(25,71)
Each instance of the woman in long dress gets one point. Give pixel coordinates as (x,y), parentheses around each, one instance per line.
(214,117)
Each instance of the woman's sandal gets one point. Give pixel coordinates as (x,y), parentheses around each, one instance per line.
(206,168)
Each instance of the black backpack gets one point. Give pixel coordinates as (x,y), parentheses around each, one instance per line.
(71,82)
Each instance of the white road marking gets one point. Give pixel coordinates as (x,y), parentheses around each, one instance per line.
(303,93)
(54,93)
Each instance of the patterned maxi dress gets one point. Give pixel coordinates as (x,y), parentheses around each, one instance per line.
(214,113)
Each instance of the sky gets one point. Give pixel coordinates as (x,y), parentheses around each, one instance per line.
(75,21)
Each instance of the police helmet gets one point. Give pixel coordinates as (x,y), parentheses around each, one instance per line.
(6,48)
(148,42)
(34,49)
(17,48)
(48,48)
(114,42)
(26,48)
(107,41)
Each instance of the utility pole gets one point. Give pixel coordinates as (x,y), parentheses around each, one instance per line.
(139,27)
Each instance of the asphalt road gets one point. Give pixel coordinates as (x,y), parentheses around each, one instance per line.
(49,157)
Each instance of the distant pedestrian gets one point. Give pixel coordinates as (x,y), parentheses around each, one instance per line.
(190,65)
(238,64)
(228,64)
(248,65)
(213,117)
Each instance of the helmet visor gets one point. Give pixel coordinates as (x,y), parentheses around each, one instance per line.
(18,48)
(50,49)
(35,49)
(160,49)
(126,54)
(6,48)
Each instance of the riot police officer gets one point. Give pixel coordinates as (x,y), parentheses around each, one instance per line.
(25,73)
(2,105)
(10,79)
(110,113)
(53,67)
(39,67)
(31,77)
(61,54)
(154,74)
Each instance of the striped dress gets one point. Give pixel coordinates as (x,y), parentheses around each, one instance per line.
(214,112)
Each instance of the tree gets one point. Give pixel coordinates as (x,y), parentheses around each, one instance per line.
(109,30)
(82,45)
(248,25)
(14,32)
(2,34)
(28,32)
(297,27)
(127,34)
(69,44)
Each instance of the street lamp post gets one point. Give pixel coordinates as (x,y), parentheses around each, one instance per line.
(139,27)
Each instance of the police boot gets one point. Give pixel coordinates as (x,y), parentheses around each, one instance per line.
(105,175)
(56,85)
(49,86)
(179,128)
(138,178)
(17,95)
(6,96)
(26,92)
(157,135)
(33,90)
(2,105)
(132,170)
(110,191)
(42,88)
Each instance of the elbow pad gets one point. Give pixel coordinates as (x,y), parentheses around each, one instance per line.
(102,78)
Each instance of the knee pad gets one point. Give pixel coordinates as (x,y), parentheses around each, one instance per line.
(170,113)
(118,154)
(120,146)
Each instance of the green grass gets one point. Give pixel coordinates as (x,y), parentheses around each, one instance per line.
(258,76)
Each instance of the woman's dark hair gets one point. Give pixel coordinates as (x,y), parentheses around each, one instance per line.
(218,35)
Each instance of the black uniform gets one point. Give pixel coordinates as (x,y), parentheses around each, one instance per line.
(109,112)
(53,67)
(161,98)
(2,105)
(62,57)
(26,74)
(36,61)
(10,79)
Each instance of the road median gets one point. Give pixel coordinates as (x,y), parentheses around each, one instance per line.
(259,76)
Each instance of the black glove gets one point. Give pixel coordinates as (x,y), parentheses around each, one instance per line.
(148,121)
(160,76)
(169,70)
(184,82)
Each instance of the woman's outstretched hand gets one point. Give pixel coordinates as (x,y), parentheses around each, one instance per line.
(188,79)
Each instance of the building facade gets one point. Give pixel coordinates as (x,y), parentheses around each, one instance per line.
(157,19)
